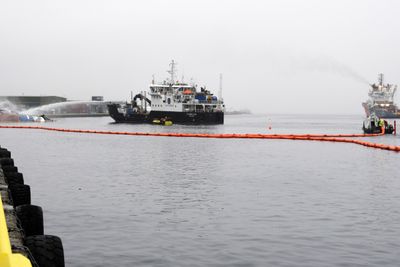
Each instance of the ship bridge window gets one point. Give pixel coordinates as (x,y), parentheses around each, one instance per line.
(169,101)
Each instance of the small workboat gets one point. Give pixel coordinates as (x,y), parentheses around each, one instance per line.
(373,125)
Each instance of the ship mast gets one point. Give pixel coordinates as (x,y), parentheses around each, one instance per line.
(172,71)
(220,87)
(380,79)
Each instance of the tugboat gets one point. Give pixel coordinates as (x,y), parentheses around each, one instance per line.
(381,100)
(8,116)
(373,125)
(180,102)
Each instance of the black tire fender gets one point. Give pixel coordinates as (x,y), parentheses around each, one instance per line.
(14,178)
(4,153)
(7,169)
(31,219)
(47,250)
(6,162)
(20,194)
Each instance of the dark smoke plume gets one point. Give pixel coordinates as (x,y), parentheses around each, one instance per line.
(330,66)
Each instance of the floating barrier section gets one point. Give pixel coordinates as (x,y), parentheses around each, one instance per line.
(342,138)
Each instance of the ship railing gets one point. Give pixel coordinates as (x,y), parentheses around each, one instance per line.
(200,110)
(209,102)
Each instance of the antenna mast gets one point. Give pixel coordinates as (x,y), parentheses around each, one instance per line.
(220,86)
(172,71)
(380,79)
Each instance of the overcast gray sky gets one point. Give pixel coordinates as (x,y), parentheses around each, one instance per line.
(282,56)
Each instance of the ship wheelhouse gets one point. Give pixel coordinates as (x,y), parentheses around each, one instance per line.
(181,97)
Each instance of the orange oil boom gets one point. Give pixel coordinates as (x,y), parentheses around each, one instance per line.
(342,138)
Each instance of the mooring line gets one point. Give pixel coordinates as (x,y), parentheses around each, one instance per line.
(305,137)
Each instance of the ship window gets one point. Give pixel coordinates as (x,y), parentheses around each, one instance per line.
(169,101)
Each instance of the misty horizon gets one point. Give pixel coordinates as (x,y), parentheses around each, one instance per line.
(275,56)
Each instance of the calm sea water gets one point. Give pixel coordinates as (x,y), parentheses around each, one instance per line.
(158,201)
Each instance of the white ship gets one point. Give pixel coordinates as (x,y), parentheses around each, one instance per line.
(171,100)
(381,101)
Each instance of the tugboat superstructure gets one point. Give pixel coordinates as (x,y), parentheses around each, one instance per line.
(178,101)
(381,101)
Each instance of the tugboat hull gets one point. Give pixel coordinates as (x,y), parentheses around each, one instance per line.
(9,118)
(387,113)
(126,118)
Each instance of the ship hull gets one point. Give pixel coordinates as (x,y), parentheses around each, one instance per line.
(9,118)
(196,118)
(386,113)
(190,117)
(125,118)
